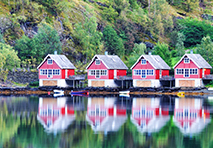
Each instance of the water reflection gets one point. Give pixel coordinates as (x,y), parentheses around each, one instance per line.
(104,115)
(190,116)
(145,121)
(147,114)
(54,114)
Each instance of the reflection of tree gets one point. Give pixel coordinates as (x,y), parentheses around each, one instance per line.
(32,134)
(8,127)
(81,135)
(206,136)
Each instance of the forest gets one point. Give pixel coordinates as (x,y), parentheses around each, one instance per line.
(79,29)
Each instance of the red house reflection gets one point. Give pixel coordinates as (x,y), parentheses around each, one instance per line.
(104,115)
(147,114)
(54,114)
(189,116)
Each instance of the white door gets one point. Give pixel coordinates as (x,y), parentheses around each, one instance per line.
(203,73)
(160,73)
(50,73)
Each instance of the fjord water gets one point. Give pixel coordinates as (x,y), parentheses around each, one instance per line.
(114,122)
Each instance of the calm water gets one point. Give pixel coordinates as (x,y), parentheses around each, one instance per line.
(109,122)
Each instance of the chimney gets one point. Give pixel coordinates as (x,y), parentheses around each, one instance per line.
(150,53)
(191,51)
(55,52)
(106,52)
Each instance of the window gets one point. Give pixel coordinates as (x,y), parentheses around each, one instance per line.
(150,72)
(143,73)
(193,71)
(49,61)
(91,72)
(49,123)
(143,123)
(43,72)
(103,72)
(56,71)
(97,74)
(186,73)
(136,114)
(50,73)
(186,60)
(143,61)
(179,71)
(97,62)
(137,72)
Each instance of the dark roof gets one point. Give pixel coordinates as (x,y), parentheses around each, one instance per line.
(197,59)
(62,61)
(155,60)
(110,61)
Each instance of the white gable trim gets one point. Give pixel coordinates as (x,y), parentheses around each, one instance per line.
(183,58)
(93,59)
(45,60)
(139,60)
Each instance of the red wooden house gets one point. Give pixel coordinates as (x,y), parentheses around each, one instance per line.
(103,69)
(190,70)
(54,114)
(189,116)
(54,69)
(147,114)
(103,115)
(147,71)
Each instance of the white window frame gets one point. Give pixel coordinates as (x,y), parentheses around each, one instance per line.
(48,73)
(148,74)
(145,73)
(48,61)
(143,61)
(91,72)
(59,71)
(42,71)
(181,71)
(185,72)
(186,60)
(97,61)
(193,71)
(103,72)
(97,71)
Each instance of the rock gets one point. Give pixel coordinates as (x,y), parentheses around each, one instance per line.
(149,45)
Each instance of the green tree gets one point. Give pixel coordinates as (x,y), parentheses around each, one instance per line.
(10,55)
(138,50)
(113,42)
(89,37)
(194,30)
(162,50)
(46,42)
(205,49)
(180,44)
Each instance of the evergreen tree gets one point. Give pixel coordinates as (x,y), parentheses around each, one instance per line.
(162,50)
(180,45)
(89,37)
(138,50)
(113,42)
(205,49)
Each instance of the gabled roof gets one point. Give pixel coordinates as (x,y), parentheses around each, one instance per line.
(155,60)
(110,61)
(197,59)
(61,60)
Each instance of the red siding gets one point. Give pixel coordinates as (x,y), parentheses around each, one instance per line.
(157,74)
(165,72)
(93,66)
(207,71)
(70,72)
(183,65)
(111,74)
(110,112)
(63,73)
(46,66)
(121,72)
(144,66)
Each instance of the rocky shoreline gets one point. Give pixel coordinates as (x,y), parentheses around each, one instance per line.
(103,90)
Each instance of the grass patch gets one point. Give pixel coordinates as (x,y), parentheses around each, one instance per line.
(19,84)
